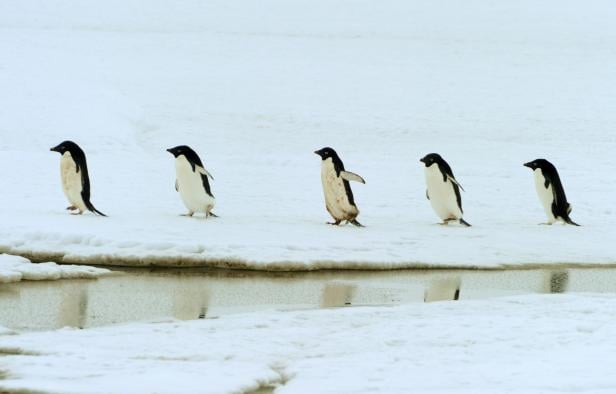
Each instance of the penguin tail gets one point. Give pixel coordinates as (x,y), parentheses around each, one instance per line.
(94,210)
(569,221)
(354,222)
(464,222)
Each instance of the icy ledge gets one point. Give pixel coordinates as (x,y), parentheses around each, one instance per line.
(16,268)
(316,254)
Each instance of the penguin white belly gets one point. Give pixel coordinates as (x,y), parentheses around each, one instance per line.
(442,195)
(546,195)
(336,199)
(71,182)
(191,188)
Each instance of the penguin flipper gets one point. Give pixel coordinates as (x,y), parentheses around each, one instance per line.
(427,195)
(456,190)
(205,172)
(350,176)
(453,180)
(206,185)
(177,186)
(560,206)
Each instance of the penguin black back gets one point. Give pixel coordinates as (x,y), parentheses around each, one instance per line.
(560,206)
(330,153)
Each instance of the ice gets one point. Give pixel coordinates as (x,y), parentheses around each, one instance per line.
(523,344)
(15,269)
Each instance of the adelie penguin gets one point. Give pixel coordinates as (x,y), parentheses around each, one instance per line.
(339,199)
(550,191)
(75,178)
(192,181)
(443,189)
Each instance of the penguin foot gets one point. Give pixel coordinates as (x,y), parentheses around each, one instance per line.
(189,214)
(336,223)
(546,224)
(71,208)
(212,214)
(77,213)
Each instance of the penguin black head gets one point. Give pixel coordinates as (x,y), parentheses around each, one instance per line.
(432,158)
(327,153)
(188,153)
(67,146)
(540,163)
(180,150)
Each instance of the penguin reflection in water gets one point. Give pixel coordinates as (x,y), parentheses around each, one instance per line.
(551,192)
(443,189)
(339,199)
(75,178)
(192,181)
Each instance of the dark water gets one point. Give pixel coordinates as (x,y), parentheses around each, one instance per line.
(141,295)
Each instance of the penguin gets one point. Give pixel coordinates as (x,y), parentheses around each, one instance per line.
(75,179)
(192,181)
(339,199)
(443,190)
(551,192)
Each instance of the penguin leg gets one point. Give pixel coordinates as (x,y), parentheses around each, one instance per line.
(189,214)
(336,223)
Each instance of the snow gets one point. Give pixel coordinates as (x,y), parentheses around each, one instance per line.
(15,269)
(256,87)
(522,344)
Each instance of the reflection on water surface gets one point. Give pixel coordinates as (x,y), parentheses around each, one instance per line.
(140,295)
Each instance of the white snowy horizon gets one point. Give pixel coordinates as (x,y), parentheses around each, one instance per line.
(256,88)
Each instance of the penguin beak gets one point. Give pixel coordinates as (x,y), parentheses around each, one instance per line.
(423,160)
(529,165)
(170,150)
(318,152)
(54,149)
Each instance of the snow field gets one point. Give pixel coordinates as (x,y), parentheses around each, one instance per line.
(255,89)
(525,344)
